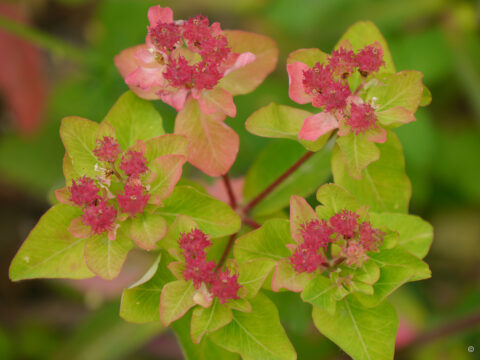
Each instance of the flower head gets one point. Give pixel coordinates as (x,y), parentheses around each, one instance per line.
(225,286)
(345,223)
(342,62)
(133,199)
(370,58)
(194,243)
(134,163)
(84,191)
(100,217)
(165,36)
(107,149)
(306,259)
(362,118)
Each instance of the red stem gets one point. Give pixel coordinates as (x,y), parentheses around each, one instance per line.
(277,182)
(250,222)
(231,195)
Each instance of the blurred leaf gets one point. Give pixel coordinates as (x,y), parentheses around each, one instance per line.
(50,251)
(207,320)
(176,299)
(273,161)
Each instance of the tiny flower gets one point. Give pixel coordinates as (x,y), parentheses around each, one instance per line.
(84,191)
(199,271)
(133,200)
(225,286)
(316,234)
(100,217)
(345,223)
(370,58)
(107,149)
(362,118)
(194,243)
(134,163)
(354,254)
(165,36)
(369,237)
(306,259)
(180,73)
(342,62)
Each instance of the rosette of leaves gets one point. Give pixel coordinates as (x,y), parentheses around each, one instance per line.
(344,260)
(120,193)
(358,92)
(244,322)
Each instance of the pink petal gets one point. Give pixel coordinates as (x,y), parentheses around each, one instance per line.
(63,196)
(242,60)
(145,78)
(217,99)
(295,79)
(126,63)
(317,125)
(145,56)
(158,14)
(174,98)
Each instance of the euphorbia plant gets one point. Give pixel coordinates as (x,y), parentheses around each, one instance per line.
(345,257)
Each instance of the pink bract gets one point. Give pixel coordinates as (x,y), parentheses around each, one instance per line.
(181,59)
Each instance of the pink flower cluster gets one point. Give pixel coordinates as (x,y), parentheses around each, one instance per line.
(326,86)
(222,285)
(180,58)
(99,209)
(354,237)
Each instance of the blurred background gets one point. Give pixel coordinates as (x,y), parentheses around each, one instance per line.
(66,68)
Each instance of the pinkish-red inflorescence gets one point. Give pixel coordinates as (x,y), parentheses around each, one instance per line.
(222,284)
(84,191)
(134,163)
(100,217)
(107,149)
(328,85)
(133,199)
(344,228)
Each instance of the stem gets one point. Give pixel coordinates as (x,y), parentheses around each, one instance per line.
(277,182)
(44,40)
(453,327)
(250,222)
(231,240)
(231,195)
(117,174)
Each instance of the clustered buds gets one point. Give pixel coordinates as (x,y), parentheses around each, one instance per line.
(328,85)
(99,209)
(222,284)
(354,237)
(199,37)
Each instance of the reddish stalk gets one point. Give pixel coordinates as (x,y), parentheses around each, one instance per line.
(250,222)
(277,182)
(231,195)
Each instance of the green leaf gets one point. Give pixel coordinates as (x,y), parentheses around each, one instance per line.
(207,320)
(246,79)
(334,198)
(300,213)
(252,275)
(206,350)
(50,251)
(307,56)
(167,144)
(402,89)
(147,229)
(79,137)
(268,242)
(105,257)
(357,153)
(134,119)
(141,301)
(426,96)
(276,158)
(176,299)
(167,170)
(364,33)
(211,215)
(280,121)
(256,335)
(384,185)
(68,170)
(213,146)
(363,333)
(415,234)
(397,267)
(285,277)
(320,292)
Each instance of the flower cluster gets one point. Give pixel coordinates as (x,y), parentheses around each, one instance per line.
(100,209)
(354,238)
(326,86)
(181,57)
(222,284)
